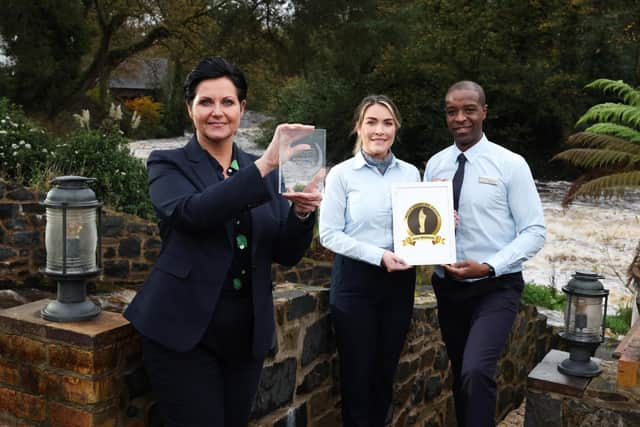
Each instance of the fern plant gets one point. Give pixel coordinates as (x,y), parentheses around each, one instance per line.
(609,148)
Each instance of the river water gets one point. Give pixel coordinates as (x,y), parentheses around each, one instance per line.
(592,235)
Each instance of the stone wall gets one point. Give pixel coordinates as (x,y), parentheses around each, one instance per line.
(130,246)
(557,400)
(92,370)
(300,383)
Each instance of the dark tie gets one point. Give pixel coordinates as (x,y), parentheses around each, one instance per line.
(457,180)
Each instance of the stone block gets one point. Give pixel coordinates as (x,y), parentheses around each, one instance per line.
(546,377)
(417,390)
(143,228)
(152,244)
(320,402)
(21,195)
(290,338)
(81,361)
(542,410)
(78,390)
(8,210)
(9,373)
(292,276)
(107,328)
(26,238)
(129,247)
(294,417)
(151,256)
(33,209)
(22,349)
(22,405)
(433,388)
(441,362)
(26,378)
(318,340)
(277,384)
(401,393)
(138,267)
(112,225)
(300,305)
(6,253)
(507,370)
(320,373)
(108,252)
(119,269)
(67,416)
(406,369)
(17,224)
(428,357)
(330,418)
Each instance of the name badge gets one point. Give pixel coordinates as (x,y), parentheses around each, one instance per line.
(488,180)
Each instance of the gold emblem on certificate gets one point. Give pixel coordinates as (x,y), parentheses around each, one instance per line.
(422,222)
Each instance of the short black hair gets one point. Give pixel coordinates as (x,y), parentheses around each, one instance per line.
(469,85)
(214,67)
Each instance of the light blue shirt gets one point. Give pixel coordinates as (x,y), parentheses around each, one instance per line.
(355,216)
(501,217)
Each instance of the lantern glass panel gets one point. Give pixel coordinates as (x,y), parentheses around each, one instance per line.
(583,316)
(81,240)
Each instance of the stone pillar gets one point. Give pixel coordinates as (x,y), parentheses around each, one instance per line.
(556,400)
(65,374)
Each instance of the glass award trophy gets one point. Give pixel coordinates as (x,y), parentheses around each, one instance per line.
(302,162)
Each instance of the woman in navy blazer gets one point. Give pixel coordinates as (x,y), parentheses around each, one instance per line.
(205,312)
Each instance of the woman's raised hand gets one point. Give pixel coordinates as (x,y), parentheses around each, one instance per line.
(282,144)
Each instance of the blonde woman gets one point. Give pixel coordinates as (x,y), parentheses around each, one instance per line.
(372,289)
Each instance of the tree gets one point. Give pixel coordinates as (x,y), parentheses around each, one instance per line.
(63,48)
(609,149)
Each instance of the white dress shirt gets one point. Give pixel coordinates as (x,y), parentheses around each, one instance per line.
(501,217)
(355,215)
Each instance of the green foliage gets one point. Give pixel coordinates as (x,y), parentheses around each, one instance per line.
(620,323)
(543,296)
(24,146)
(121,179)
(611,153)
(618,88)
(33,157)
(317,101)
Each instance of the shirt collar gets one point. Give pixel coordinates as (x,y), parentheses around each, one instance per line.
(474,152)
(360,162)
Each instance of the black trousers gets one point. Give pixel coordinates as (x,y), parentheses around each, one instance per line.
(475,328)
(371,311)
(213,384)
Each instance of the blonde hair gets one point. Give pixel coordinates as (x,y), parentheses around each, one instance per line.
(367,102)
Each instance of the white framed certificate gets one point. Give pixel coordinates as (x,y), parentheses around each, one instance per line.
(423,222)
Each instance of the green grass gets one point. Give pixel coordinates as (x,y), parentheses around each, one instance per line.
(621,321)
(543,296)
(551,298)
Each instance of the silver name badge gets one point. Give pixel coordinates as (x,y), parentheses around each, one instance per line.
(488,180)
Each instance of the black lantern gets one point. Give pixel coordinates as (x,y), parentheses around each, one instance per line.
(72,241)
(584,323)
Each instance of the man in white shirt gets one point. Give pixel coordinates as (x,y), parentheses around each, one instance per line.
(501,225)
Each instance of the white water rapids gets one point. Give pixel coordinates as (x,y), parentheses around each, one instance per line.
(591,235)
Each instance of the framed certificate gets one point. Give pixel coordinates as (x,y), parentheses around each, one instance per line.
(423,222)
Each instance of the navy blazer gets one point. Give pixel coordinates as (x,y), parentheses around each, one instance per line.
(195,208)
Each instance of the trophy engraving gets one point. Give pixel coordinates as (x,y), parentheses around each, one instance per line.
(305,169)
